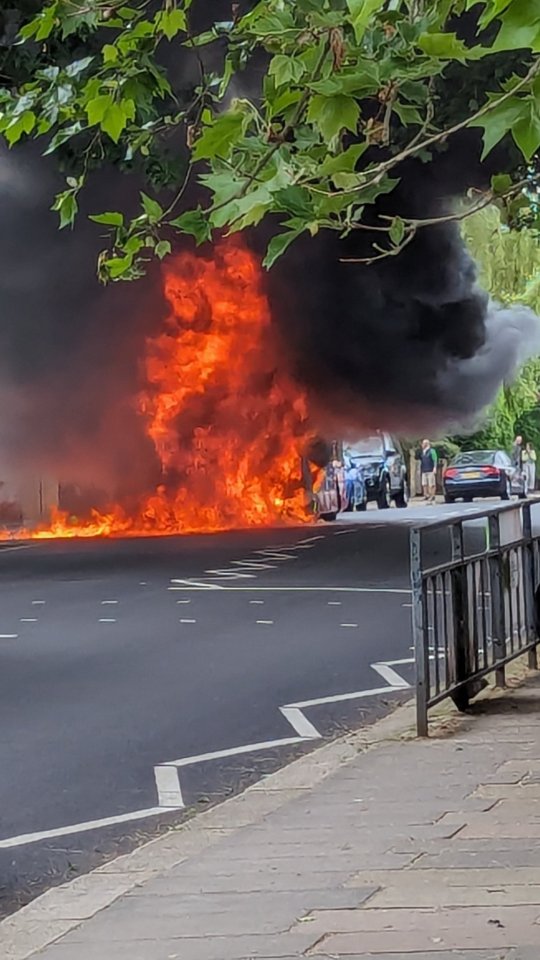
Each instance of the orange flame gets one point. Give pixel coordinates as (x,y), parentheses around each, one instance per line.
(227,429)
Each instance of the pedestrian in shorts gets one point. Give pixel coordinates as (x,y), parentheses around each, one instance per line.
(428,467)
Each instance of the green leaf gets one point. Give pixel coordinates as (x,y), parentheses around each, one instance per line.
(118,266)
(526,132)
(67,207)
(520,27)
(162,249)
(445,46)
(171,22)
(397,231)
(295,200)
(109,53)
(344,162)
(278,246)
(63,135)
(501,183)
(218,139)
(407,113)
(19,126)
(360,12)
(498,121)
(360,81)
(97,108)
(195,223)
(333,114)
(116,117)
(111,219)
(286,70)
(41,27)
(491,11)
(152,208)
(78,66)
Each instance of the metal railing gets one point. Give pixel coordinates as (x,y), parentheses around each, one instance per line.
(473,602)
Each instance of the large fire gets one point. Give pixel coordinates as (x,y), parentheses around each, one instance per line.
(227,429)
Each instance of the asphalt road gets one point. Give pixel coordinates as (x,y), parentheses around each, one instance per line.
(120,660)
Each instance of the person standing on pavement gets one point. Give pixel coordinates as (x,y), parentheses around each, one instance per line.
(528,458)
(428,468)
(517,452)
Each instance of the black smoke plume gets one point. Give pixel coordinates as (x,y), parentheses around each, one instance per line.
(409,343)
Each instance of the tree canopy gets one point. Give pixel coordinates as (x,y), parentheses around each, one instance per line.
(509,263)
(300,114)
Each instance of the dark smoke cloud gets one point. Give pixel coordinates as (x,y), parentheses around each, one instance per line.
(409,343)
(69,349)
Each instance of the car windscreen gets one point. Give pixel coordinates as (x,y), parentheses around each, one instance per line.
(366,447)
(474,458)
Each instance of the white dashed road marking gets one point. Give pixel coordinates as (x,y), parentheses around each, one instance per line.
(348,624)
(265,621)
(107,620)
(104,603)
(36,603)
(9,636)
(28,620)
(188,621)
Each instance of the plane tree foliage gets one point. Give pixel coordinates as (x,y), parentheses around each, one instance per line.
(297,114)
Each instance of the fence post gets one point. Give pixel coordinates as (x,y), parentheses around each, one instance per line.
(498,619)
(421,654)
(460,607)
(528,576)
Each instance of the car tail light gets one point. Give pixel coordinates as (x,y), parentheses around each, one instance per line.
(491,471)
(451,472)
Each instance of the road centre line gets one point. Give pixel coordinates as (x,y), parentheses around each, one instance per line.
(28,620)
(190,585)
(9,636)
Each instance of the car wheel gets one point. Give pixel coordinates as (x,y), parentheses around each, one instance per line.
(384,499)
(448,498)
(505,493)
(362,506)
(328,517)
(402,498)
(467,499)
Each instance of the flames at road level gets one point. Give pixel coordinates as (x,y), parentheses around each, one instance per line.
(226,429)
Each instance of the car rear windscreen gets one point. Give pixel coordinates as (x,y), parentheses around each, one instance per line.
(474,458)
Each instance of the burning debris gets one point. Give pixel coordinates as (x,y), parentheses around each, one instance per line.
(227,428)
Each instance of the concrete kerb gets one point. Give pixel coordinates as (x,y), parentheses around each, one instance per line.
(61,909)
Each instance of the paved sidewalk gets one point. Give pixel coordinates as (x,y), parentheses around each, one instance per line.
(395,849)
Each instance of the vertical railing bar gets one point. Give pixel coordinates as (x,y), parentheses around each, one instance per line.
(419,632)
(484,617)
(436,636)
(445,589)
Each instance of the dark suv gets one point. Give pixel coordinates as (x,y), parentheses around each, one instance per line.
(382,462)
